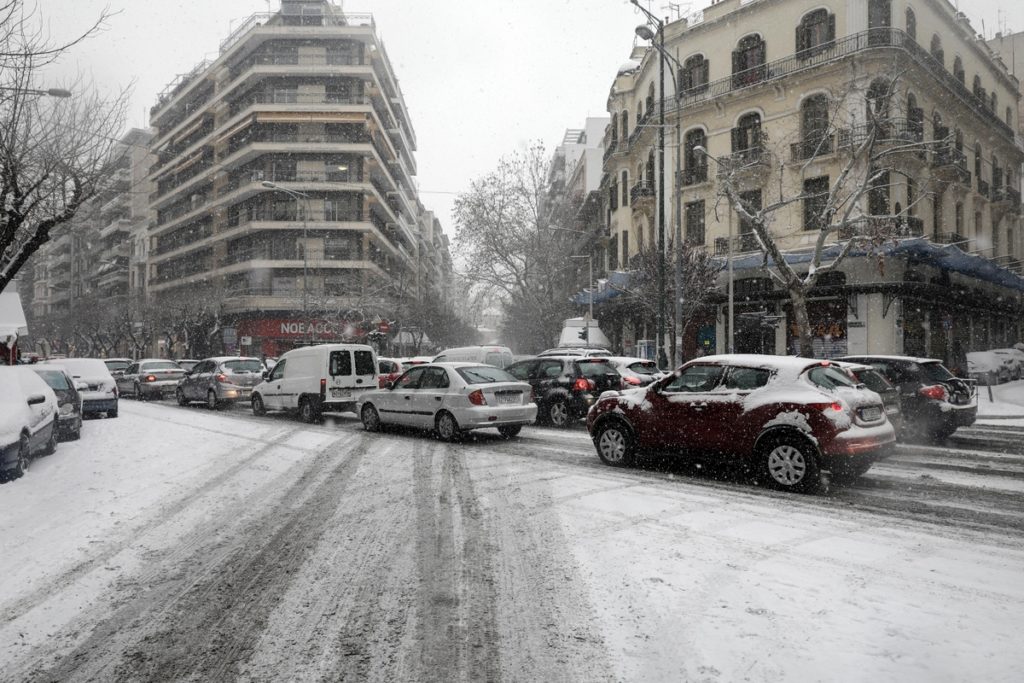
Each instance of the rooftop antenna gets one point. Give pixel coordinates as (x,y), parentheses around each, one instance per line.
(675,8)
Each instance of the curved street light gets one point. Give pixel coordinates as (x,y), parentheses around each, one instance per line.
(52,92)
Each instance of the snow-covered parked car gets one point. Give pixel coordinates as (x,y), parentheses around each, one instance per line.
(450,398)
(100,392)
(28,420)
(637,372)
(772,412)
(987,367)
(1013,359)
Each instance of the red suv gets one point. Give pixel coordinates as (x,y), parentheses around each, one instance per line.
(781,415)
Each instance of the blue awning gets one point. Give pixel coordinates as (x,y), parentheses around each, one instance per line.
(615,284)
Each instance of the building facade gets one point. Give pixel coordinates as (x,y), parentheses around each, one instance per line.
(284,184)
(775,95)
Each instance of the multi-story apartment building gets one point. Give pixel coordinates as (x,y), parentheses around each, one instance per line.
(99,253)
(781,88)
(284,182)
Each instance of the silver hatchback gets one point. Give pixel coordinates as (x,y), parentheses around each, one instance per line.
(221,380)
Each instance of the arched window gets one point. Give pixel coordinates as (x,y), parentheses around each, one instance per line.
(936,49)
(650,99)
(879,22)
(625,188)
(650,167)
(625,126)
(694,76)
(993,101)
(958,69)
(915,118)
(748,61)
(815,33)
(977,162)
(1009,116)
(696,162)
(878,101)
(911,24)
(746,136)
(814,123)
(958,142)
(614,131)
(959,218)
(639,112)
(976,88)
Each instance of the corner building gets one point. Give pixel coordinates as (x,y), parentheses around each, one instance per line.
(780,88)
(284,183)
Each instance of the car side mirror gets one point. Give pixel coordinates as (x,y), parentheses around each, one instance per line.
(265,374)
(81,386)
(389,386)
(36,399)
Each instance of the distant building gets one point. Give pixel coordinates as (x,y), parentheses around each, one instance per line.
(284,186)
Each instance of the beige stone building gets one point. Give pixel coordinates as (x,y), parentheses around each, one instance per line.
(780,88)
(284,183)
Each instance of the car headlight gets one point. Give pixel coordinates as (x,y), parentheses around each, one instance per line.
(66,409)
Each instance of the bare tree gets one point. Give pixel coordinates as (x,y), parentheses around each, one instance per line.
(842,218)
(55,150)
(516,245)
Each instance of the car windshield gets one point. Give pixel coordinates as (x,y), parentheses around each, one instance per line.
(873,380)
(243,365)
(55,378)
(594,367)
(828,377)
(936,372)
(646,367)
(484,374)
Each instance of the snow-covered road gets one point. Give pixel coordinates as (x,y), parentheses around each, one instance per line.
(182,544)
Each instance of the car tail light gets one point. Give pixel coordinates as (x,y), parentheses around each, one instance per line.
(835,406)
(477,398)
(150,378)
(221,378)
(323,387)
(631,380)
(583,384)
(934,391)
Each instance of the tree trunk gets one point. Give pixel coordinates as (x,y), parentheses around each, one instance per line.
(803,324)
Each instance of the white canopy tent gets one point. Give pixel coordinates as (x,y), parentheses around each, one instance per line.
(12,321)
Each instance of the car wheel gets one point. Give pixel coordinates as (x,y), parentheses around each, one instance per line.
(258,409)
(790,463)
(308,412)
(370,418)
(509,431)
(615,444)
(112,413)
(51,445)
(447,427)
(211,400)
(24,458)
(180,395)
(558,414)
(76,435)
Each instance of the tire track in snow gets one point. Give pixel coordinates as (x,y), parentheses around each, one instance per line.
(203,612)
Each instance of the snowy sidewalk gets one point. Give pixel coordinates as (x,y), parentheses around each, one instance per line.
(1006,403)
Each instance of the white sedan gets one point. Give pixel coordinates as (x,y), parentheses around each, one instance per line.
(451,398)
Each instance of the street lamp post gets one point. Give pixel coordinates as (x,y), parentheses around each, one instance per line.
(590,286)
(305,248)
(645,33)
(51,92)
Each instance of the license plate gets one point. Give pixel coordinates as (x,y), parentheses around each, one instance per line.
(871,413)
(510,398)
(340,393)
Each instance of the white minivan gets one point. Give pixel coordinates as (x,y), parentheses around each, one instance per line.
(498,356)
(313,379)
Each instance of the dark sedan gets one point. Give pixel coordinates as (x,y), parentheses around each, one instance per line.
(69,400)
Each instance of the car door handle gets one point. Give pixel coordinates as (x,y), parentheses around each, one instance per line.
(408,398)
(437,398)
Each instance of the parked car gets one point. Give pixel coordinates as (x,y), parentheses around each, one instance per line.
(150,378)
(586,352)
(451,398)
(876,382)
(312,379)
(219,380)
(637,372)
(1013,359)
(69,400)
(28,419)
(986,368)
(498,356)
(935,403)
(565,387)
(100,392)
(388,370)
(187,364)
(117,366)
(765,411)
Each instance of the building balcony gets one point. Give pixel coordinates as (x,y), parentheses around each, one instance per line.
(115,226)
(983,188)
(1001,197)
(812,146)
(883,227)
(950,165)
(641,193)
(750,163)
(741,244)
(694,175)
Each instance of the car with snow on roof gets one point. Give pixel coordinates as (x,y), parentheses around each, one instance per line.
(770,413)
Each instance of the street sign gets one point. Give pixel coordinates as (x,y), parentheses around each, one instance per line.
(245,341)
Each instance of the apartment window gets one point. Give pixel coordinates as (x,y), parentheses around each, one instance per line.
(747,133)
(614,132)
(1009,116)
(977,222)
(695,222)
(625,248)
(959,218)
(696,162)
(936,215)
(993,101)
(613,253)
(748,61)
(976,88)
(995,238)
(879,22)
(911,197)
(814,121)
(878,195)
(977,164)
(613,195)
(625,126)
(915,118)
(650,99)
(650,167)
(625,188)
(815,201)
(958,69)
(816,32)
(694,75)
(878,100)
(936,49)
(911,24)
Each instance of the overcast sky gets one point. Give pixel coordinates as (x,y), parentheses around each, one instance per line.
(481,78)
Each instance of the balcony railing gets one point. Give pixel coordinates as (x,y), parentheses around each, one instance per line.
(983,188)
(610,149)
(951,163)
(694,175)
(750,158)
(742,243)
(889,131)
(294,97)
(640,191)
(238,144)
(340,59)
(883,227)
(872,39)
(811,147)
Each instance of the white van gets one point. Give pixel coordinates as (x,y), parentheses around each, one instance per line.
(498,356)
(313,379)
